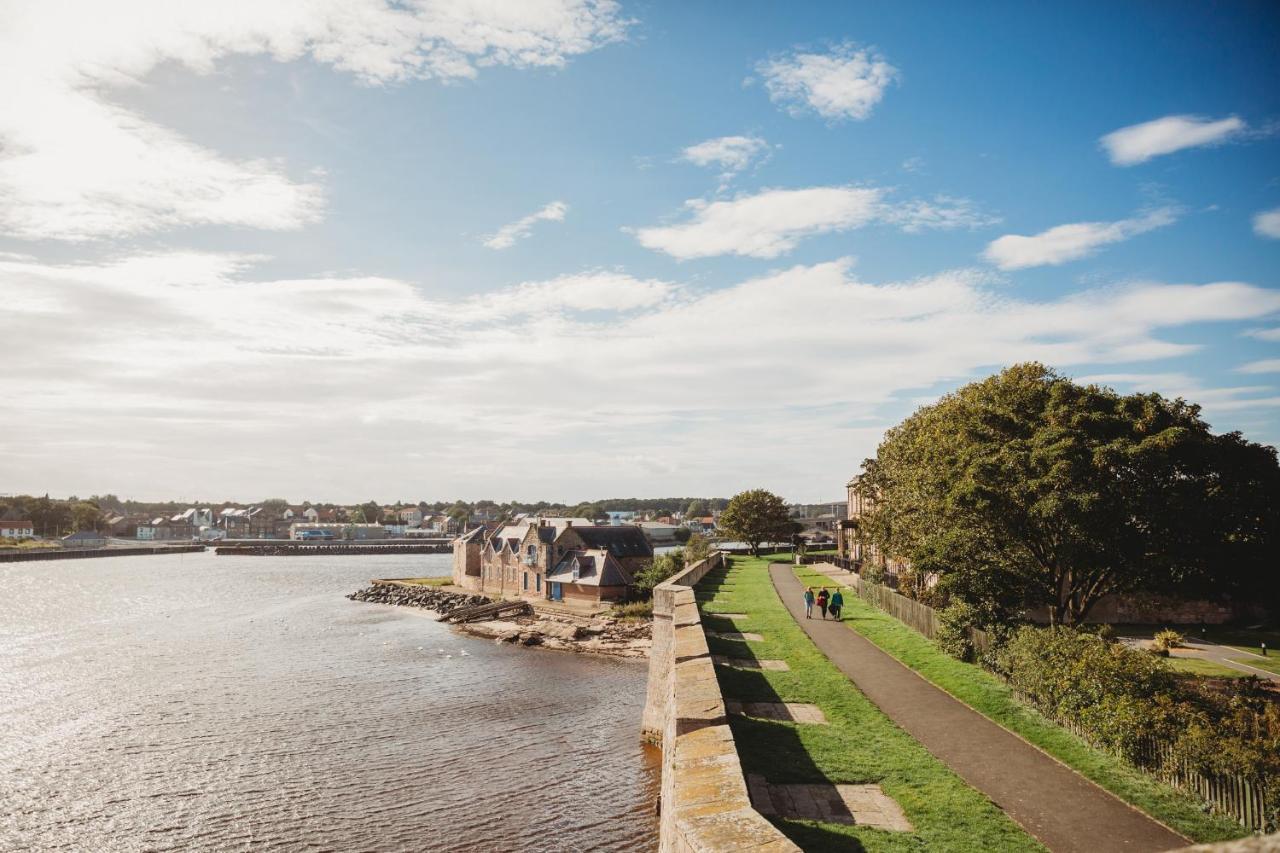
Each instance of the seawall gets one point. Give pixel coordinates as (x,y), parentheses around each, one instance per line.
(81,553)
(704,806)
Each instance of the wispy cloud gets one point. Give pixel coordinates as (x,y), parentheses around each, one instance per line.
(75,165)
(1266,365)
(773,222)
(1267,223)
(506,236)
(1272,334)
(1064,243)
(732,154)
(1138,143)
(845,82)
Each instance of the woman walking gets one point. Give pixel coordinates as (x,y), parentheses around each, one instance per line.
(822,602)
(808,602)
(837,604)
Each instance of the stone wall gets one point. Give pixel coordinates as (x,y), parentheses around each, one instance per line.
(705,806)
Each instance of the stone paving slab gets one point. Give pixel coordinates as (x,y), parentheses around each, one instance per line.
(735,635)
(751,663)
(787,712)
(860,805)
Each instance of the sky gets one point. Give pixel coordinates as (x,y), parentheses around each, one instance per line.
(563,250)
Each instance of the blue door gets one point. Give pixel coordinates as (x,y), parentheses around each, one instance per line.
(554,591)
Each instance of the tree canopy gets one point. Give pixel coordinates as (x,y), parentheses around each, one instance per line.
(757,516)
(1027,489)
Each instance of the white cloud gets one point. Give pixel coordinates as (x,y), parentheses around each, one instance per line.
(1266,365)
(1267,224)
(732,154)
(506,236)
(1065,243)
(942,213)
(578,383)
(1215,403)
(1272,334)
(772,222)
(844,83)
(1138,143)
(75,165)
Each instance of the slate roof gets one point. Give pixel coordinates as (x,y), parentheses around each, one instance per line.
(595,567)
(621,541)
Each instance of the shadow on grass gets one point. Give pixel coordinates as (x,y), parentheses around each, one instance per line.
(774,750)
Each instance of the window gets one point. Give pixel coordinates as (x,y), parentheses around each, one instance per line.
(538,582)
(526,581)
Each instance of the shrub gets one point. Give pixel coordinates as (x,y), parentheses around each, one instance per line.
(1167,639)
(697,548)
(952,636)
(871,573)
(662,567)
(633,610)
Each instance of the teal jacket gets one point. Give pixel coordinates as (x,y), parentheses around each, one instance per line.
(837,600)
(808,596)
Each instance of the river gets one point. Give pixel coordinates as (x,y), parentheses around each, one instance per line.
(196,702)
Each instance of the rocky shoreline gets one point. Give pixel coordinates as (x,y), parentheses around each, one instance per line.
(607,635)
(431,598)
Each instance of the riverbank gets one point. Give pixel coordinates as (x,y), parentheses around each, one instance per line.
(598,634)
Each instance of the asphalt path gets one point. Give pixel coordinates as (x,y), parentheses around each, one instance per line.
(1062,809)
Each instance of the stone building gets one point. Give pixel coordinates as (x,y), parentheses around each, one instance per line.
(552,559)
(852,545)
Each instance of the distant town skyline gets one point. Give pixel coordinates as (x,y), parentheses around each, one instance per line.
(551,250)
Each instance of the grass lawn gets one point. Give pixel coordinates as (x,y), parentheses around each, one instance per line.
(1196,666)
(860,744)
(1246,640)
(992,698)
(1271,663)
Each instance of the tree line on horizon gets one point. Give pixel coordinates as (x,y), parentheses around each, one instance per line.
(58,516)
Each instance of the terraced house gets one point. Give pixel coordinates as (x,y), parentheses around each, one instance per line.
(552,559)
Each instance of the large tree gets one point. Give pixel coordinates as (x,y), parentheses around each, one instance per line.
(757,516)
(1042,492)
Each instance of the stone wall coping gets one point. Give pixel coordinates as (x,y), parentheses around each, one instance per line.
(706,807)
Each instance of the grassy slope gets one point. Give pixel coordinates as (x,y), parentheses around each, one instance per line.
(1271,663)
(1197,666)
(992,698)
(860,745)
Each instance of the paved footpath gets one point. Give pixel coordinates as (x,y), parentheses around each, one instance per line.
(1061,808)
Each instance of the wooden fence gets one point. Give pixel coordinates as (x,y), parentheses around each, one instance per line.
(912,613)
(1236,796)
(1230,794)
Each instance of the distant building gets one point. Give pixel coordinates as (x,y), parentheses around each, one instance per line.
(349,531)
(552,559)
(84,539)
(658,532)
(852,543)
(17,529)
(410,516)
(624,516)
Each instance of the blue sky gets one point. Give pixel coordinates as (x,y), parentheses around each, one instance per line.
(280,251)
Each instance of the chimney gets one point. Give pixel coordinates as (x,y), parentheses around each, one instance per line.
(568,522)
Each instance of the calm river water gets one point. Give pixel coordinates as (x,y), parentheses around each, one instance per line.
(196,702)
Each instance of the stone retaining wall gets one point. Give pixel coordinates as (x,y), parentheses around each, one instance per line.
(705,806)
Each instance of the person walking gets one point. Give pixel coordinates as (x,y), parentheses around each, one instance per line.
(822,602)
(808,602)
(837,604)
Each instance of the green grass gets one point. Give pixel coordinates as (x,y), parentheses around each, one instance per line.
(992,698)
(1197,666)
(1270,663)
(860,744)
